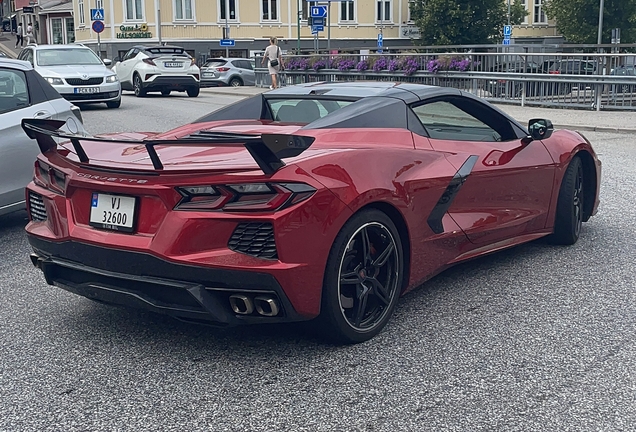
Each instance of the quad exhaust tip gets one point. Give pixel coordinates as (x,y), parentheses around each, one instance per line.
(244,305)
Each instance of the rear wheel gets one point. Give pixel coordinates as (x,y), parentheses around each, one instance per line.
(165,92)
(236,82)
(363,279)
(569,212)
(193,91)
(138,86)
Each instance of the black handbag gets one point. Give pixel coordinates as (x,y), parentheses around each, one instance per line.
(274,63)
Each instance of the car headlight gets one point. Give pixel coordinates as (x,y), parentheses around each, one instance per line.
(55,81)
(111,79)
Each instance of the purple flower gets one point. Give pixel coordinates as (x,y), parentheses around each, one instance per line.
(380,64)
(346,64)
(320,64)
(393,65)
(362,65)
(410,65)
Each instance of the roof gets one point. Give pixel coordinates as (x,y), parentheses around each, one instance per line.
(62,7)
(57,46)
(15,64)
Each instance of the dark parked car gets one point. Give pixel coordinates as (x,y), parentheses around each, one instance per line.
(503,88)
(569,67)
(624,71)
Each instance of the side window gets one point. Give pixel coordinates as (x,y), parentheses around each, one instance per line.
(447,121)
(245,64)
(13,90)
(130,54)
(29,56)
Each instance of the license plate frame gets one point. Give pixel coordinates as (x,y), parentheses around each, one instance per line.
(172,64)
(106,212)
(86,90)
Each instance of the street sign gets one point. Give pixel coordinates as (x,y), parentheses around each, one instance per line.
(227,42)
(506,41)
(319,11)
(27,9)
(317,28)
(97,14)
(314,31)
(507,30)
(317,21)
(98,26)
(380,40)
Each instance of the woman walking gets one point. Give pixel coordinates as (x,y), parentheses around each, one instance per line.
(19,36)
(275,58)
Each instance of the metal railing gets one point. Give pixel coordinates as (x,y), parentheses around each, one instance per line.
(587,81)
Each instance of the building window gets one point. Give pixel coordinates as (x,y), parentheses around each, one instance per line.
(183,10)
(524,4)
(306,11)
(233,10)
(383,11)
(270,10)
(80,12)
(70,30)
(347,11)
(539,15)
(134,10)
(99,4)
(56,31)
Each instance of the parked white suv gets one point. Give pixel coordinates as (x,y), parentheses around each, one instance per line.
(76,72)
(158,68)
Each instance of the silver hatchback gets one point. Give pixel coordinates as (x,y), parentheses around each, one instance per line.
(234,72)
(25,94)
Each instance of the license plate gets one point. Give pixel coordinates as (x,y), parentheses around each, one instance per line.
(173,64)
(87,90)
(112,212)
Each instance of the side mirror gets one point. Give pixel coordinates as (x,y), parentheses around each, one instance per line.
(107,62)
(540,129)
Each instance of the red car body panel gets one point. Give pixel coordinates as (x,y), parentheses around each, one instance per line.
(508,198)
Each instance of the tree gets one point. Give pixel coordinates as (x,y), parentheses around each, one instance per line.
(577,20)
(464,22)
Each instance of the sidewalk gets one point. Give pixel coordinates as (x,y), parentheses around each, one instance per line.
(7,42)
(584,120)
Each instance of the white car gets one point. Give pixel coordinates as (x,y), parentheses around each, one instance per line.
(158,68)
(24,94)
(76,72)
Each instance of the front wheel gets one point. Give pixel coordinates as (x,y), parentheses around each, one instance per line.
(193,91)
(569,211)
(363,280)
(114,104)
(138,86)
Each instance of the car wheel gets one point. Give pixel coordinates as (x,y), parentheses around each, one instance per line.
(138,86)
(114,104)
(625,88)
(165,92)
(569,211)
(236,82)
(193,91)
(363,280)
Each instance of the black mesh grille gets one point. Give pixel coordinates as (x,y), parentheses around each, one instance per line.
(89,96)
(256,239)
(36,207)
(81,82)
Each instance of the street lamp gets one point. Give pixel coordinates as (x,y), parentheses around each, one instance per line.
(600,24)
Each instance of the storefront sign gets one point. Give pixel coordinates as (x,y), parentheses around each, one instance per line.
(410,32)
(139,31)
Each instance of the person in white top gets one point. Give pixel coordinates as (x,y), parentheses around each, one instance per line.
(19,36)
(29,34)
(274,56)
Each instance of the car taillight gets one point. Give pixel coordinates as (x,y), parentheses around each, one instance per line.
(49,178)
(223,69)
(149,61)
(243,197)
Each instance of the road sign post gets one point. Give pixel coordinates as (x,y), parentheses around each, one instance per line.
(97,16)
(380,43)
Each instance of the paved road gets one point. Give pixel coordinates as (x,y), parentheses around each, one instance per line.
(535,338)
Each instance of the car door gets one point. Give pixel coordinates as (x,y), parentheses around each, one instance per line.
(509,188)
(125,68)
(249,78)
(17,151)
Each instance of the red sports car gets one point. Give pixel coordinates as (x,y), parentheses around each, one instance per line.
(324,201)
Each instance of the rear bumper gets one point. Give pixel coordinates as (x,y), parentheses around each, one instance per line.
(159,82)
(189,293)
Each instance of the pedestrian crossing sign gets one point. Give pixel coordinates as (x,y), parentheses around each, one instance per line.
(97,14)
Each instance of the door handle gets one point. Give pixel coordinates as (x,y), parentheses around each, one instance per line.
(42,115)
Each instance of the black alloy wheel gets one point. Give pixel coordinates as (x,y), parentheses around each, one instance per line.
(138,86)
(236,82)
(570,206)
(363,280)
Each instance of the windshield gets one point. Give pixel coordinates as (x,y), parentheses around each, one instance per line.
(67,56)
(304,110)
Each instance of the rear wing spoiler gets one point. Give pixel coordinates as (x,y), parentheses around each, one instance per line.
(268,150)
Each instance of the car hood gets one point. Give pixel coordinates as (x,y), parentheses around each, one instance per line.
(73,71)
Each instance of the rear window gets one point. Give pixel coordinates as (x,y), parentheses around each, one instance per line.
(166,50)
(214,63)
(304,110)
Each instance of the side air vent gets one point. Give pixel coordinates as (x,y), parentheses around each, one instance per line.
(256,239)
(37,211)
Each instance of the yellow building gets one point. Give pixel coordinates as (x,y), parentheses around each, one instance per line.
(536,27)
(198,25)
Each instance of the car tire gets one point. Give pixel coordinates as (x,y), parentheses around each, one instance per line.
(114,104)
(363,279)
(236,82)
(138,86)
(165,92)
(570,205)
(193,91)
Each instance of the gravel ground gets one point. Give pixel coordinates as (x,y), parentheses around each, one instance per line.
(534,338)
